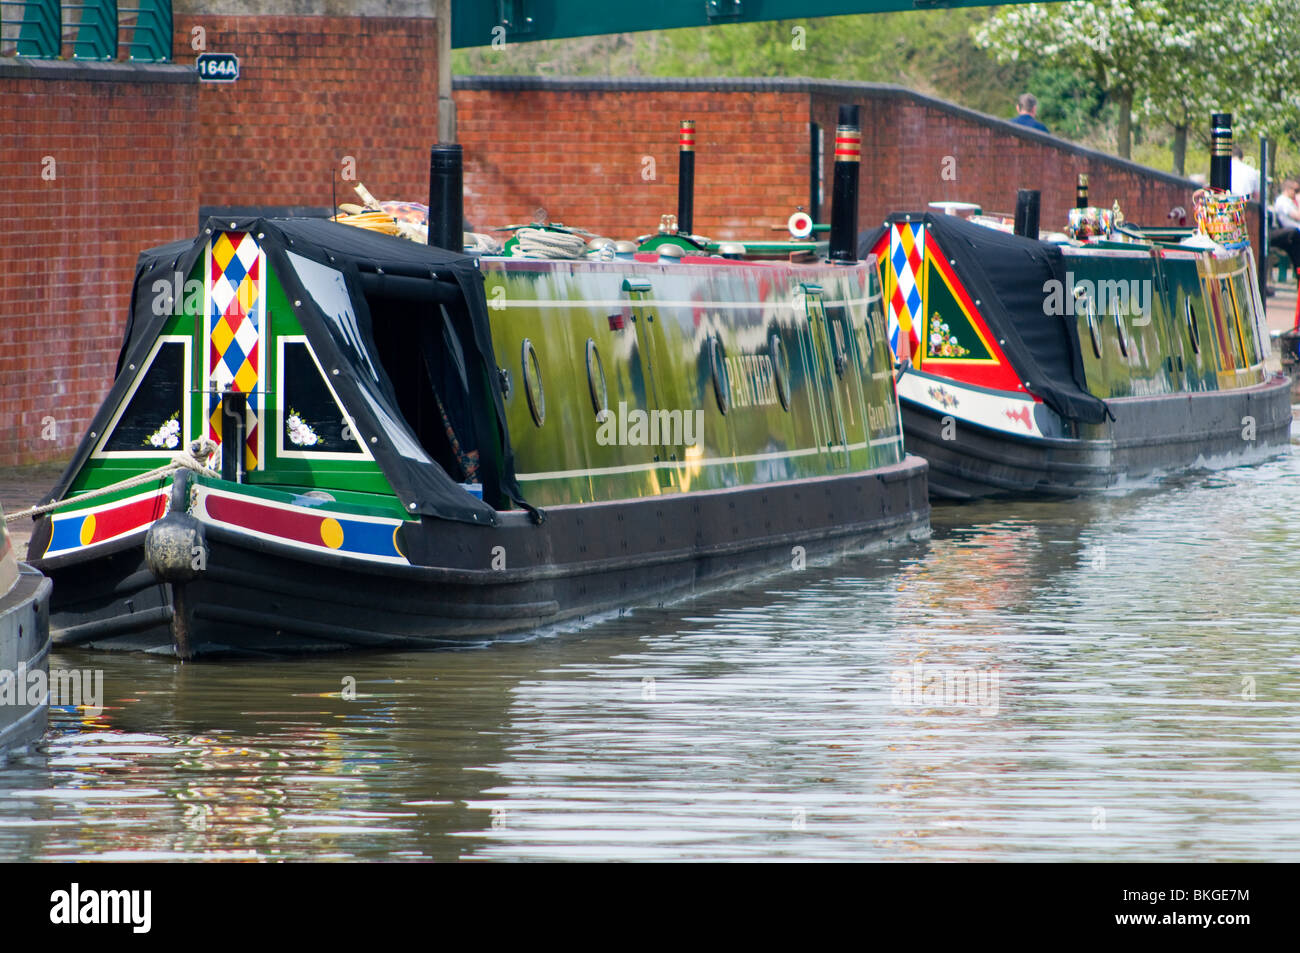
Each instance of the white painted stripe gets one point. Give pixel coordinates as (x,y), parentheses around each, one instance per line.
(710,462)
(500,304)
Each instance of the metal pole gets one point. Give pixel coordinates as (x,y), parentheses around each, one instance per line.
(814,171)
(1221,151)
(1262,264)
(446,195)
(844,189)
(446,106)
(234,405)
(686,177)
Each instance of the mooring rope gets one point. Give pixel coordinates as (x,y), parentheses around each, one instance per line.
(191,459)
(540,243)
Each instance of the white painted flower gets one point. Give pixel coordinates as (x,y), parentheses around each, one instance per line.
(300,432)
(168,435)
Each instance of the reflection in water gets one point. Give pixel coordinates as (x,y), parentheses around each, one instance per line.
(1143,649)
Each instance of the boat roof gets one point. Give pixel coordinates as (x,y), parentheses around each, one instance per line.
(1006,275)
(328,270)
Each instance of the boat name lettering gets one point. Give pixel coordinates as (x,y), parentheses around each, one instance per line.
(881,418)
(752,380)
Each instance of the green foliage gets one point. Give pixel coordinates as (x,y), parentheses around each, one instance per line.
(1171,61)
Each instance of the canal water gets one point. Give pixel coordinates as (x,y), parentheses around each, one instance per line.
(1113,679)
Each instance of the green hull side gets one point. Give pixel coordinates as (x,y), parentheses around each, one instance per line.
(1204,330)
(658,331)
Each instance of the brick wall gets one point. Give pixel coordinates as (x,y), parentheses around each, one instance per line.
(98,162)
(918,150)
(576,147)
(311,91)
(585,156)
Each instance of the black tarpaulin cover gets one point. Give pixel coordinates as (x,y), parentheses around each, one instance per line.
(319,264)
(1008,274)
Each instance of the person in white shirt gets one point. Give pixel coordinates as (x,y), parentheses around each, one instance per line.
(1286,209)
(1245,178)
(1286,233)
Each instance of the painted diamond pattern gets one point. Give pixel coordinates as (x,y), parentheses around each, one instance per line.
(236,323)
(906,304)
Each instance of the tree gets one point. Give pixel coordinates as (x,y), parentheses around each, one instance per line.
(1120,43)
(1199,54)
(1266,82)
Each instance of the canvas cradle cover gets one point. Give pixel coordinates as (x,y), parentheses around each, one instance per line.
(323,266)
(1007,274)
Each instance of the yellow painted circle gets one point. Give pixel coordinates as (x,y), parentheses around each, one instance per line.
(87,529)
(331,533)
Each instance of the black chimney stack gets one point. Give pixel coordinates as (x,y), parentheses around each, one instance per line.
(686,177)
(446,195)
(1027,205)
(844,195)
(1081,191)
(1221,151)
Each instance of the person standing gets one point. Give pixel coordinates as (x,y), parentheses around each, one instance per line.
(1245,178)
(1027,112)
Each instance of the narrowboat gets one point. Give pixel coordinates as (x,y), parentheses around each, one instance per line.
(1099,358)
(321,437)
(24,649)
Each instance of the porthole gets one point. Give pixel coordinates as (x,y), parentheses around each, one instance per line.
(780,369)
(532,371)
(596,379)
(1119,329)
(718,368)
(1090,312)
(1193,330)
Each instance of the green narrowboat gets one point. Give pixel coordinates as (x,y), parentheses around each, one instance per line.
(1077,364)
(321,437)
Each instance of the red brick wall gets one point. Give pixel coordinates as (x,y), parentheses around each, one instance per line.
(581,155)
(124,179)
(312,90)
(907,142)
(576,149)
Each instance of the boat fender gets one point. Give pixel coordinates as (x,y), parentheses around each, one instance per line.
(175,549)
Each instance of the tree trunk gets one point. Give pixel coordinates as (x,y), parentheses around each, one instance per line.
(1180,149)
(1124,102)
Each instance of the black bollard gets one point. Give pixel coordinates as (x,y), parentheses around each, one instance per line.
(686,177)
(446,198)
(844,190)
(1221,151)
(1027,206)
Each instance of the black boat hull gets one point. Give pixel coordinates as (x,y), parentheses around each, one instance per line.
(258,597)
(1149,437)
(24,652)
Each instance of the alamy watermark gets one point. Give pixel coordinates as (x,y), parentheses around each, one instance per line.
(1129,297)
(653,428)
(936,687)
(61,687)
